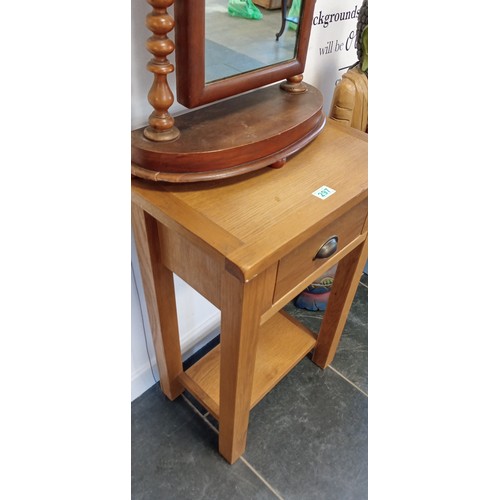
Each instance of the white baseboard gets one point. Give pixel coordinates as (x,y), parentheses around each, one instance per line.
(142,379)
(191,342)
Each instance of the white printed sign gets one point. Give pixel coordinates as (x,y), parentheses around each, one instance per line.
(332,45)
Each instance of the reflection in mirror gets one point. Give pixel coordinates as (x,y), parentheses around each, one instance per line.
(235,45)
(191,82)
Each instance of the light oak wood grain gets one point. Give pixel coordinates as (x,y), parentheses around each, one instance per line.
(282,343)
(238,349)
(247,245)
(256,219)
(158,285)
(304,283)
(203,269)
(300,262)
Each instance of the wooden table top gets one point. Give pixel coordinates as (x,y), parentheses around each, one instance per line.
(255,219)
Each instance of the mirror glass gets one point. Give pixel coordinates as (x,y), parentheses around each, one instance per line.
(235,44)
(218,55)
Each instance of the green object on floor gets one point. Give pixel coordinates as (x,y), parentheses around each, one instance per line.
(243,8)
(294,13)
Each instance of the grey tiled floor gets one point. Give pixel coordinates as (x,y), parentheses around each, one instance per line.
(307,439)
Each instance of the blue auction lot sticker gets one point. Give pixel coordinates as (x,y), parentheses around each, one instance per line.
(324,192)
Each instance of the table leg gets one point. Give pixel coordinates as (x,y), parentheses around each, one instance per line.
(240,318)
(160,297)
(342,294)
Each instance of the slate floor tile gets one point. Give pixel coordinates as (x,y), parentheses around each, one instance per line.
(308,437)
(364,279)
(311,319)
(174,456)
(351,358)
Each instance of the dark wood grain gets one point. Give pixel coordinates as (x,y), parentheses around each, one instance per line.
(161,124)
(231,137)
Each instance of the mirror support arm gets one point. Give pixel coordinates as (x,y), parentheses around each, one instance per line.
(161,125)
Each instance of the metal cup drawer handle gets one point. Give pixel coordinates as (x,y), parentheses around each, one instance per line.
(328,248)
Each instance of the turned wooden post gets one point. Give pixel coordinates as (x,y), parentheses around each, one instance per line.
(161,124)
(294,85)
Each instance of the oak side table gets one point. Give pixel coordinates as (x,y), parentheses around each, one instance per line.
(249,245)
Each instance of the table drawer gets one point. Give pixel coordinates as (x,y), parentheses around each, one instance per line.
(304,260)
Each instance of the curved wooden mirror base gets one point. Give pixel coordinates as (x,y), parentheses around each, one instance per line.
(232,137)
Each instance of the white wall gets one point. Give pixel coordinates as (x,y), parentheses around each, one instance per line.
(198,319)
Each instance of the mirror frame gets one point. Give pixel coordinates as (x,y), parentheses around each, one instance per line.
(192,90)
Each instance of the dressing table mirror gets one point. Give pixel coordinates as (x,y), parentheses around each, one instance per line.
(226,71)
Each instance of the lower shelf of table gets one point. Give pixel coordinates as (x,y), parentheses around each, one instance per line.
(282,343)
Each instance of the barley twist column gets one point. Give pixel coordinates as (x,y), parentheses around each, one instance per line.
(161,124)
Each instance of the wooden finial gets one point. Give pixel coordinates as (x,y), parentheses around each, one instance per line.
(161,124)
